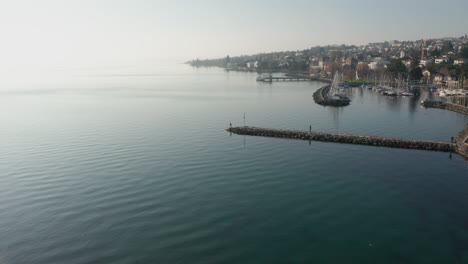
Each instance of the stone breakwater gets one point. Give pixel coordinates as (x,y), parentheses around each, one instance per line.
(447,106)
(462,142)
(321,97)
(462,137)
(347,138)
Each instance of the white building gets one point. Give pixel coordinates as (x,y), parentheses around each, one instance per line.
(460,61)
(407,63)
(323,62)
(441,60)
(438,78)
(425,62)
(378,64)
(427,74)
(402,54)
(252,65)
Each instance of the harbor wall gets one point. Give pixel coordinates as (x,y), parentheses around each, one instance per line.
(462,142)
(463,150)
(319,95)
(462,137)
(347,138)
(447,106)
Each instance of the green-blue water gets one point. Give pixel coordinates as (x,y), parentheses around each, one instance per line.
(133,166)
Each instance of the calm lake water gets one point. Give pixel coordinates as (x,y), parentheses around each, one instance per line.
(131,165)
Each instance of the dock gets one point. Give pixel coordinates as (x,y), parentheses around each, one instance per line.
(352,139)
(282,78)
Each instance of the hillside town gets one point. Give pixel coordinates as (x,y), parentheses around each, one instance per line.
(439,62)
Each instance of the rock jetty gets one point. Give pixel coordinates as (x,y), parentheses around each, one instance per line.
(462,142)
(447,106)
(348,138)
(321,97)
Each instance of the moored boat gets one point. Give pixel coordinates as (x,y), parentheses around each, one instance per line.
(406,94)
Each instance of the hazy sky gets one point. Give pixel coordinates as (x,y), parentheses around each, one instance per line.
(54,32)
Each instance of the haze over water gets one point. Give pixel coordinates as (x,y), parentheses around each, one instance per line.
(133,165)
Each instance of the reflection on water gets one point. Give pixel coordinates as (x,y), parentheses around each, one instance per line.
(335,114)
(414,102)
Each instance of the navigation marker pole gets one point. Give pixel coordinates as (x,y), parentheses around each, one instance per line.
(244,126)
(244,118)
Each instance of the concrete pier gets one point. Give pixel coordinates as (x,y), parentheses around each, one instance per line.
(348,138)
(282,78)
